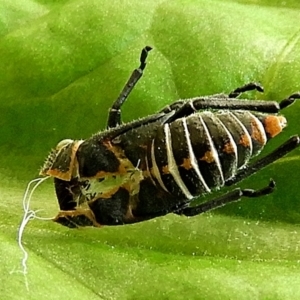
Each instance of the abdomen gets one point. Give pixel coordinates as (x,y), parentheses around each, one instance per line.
(193,155)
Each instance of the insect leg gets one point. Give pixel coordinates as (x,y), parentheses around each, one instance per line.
(290,100)
(219,102)
(291,144)
(264,106)
(238,91)
(184,108)
(232,196)
(192,105)
(245,88)
(114,115)
(235,93)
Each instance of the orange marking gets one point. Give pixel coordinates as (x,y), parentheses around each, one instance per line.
(59,174)
(228,148)
(73,162)
(124,166)
(165,169)
(274,124)
(245,141)
(256,133)
(208,157)
(146,173)
(187,164)
(102,174)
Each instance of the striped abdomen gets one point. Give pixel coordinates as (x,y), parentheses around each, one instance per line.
(192,155)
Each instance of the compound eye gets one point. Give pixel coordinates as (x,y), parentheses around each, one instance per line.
(63,143)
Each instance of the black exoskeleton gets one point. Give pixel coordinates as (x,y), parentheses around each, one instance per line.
(158,164)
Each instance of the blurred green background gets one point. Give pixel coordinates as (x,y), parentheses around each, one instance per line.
(62,64)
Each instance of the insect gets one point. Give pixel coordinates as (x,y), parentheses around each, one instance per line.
(158,164)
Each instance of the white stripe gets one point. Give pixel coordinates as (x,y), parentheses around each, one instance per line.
(212,147)
(172,164)
(148,171)
(155,168)
(260,128)
(232,142)
(193,159)
(247,134)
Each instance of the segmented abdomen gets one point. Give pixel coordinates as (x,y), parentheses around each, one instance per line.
(192,155)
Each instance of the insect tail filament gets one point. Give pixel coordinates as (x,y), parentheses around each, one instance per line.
(28,215)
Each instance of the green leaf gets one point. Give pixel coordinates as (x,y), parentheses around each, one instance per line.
(62,65)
